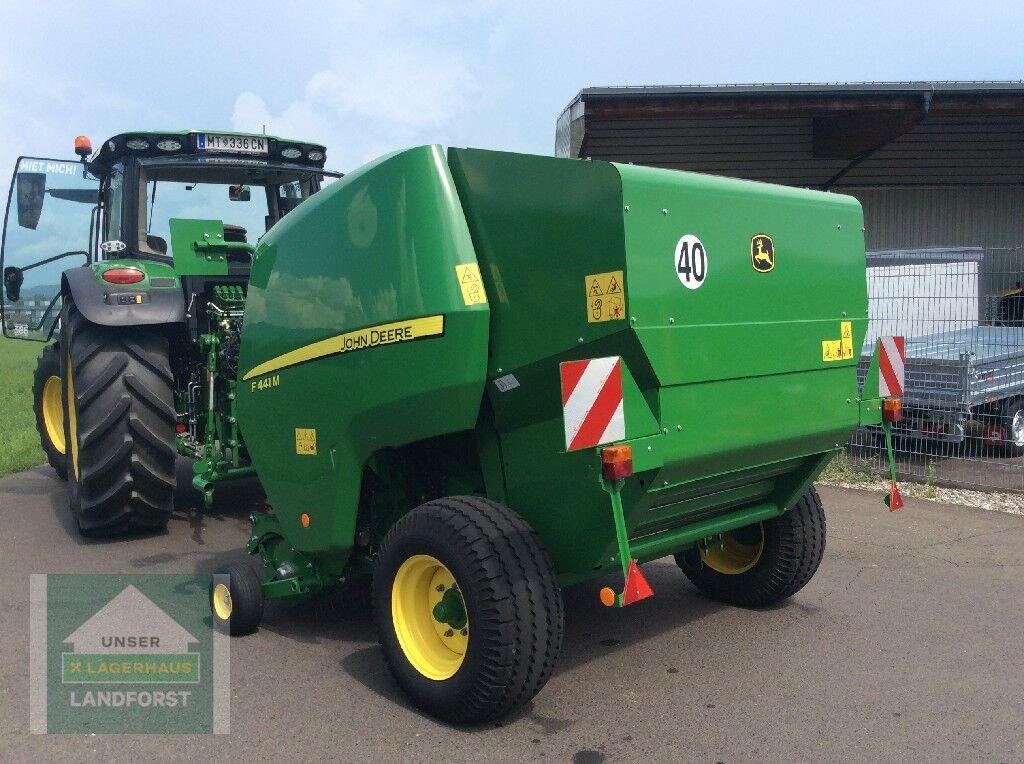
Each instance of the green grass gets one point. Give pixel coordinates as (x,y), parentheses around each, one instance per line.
(20,448)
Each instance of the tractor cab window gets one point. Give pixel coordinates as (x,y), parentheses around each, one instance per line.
(51,216)
(247,199)
(242,210)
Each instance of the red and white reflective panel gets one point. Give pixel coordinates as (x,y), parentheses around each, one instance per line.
(891,356)
(592,402)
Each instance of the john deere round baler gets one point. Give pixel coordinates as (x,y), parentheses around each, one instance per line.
(468,379)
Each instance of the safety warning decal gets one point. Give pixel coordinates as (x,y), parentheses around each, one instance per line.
(840,349)
(305,441)
(606,297)
(592,402)
(472,287)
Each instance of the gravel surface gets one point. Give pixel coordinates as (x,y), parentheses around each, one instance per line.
(998,502)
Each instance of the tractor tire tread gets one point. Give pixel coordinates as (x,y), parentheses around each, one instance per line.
(125,415)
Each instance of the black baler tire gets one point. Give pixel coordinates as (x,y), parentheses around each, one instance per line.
(793,547)
(246,600)
(512,598)
(124,480)
(48,365)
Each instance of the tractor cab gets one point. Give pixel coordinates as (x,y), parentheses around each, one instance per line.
(195,201)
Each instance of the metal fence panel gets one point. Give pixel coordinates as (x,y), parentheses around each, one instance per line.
(962,312)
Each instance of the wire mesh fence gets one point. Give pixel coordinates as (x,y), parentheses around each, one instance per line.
(962,312)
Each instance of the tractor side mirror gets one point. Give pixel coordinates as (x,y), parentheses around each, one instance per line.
(31,189)
(239,193)
(13,279)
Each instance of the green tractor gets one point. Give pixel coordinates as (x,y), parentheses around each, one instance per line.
(133,263)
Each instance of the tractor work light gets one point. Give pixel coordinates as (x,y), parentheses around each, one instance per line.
(137,144)
(291,152)
(169,144)
(316,155)
(123,275)
(892,410)
(617,462)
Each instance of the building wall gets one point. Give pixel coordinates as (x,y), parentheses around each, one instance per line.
(951,216)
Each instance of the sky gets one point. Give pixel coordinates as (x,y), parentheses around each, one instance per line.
(366,78)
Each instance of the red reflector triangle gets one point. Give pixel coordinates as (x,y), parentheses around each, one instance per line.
(894,500)
(637,587)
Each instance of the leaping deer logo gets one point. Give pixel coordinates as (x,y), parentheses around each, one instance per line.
(762,253)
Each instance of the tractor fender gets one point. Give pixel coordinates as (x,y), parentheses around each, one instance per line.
(124,305)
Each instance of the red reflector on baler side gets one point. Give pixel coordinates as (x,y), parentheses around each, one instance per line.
(123,275)
(892,410)
(617,462)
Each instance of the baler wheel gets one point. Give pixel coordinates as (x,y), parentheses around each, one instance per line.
(468,608)
(752,568)
(237,606)
(47,400)
(118,425)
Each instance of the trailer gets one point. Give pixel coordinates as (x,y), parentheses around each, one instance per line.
(964,378)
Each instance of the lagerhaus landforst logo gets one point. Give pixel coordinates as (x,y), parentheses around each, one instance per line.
(125,654)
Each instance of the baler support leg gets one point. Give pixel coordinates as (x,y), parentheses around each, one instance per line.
(635,586)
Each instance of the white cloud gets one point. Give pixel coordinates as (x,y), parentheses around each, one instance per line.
(403,87)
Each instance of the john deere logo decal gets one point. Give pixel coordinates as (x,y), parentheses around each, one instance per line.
(762,252)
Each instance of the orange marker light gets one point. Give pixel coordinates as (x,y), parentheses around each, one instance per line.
(607,597)
(304,519)
(617,462)
(123,275)
(83,146)
(892,410)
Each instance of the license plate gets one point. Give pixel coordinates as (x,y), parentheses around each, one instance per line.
(239,144)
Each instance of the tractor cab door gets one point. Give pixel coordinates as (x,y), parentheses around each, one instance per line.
(52,210)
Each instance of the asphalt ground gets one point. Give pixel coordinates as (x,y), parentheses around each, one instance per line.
(908,645)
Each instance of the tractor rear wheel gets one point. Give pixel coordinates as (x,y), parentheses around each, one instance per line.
(764,563)
(468,608)
(119,426)
(47,401)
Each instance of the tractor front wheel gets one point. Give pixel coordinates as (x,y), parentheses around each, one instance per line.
(765,563)
(468,608)
(118,426)
(48,403)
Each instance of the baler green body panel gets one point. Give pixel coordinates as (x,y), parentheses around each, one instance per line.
(733,394)
(728,399)
(357,335)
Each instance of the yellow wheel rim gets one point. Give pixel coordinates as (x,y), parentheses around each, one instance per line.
(72,419)
(738,552)
(222,602)
(428,614)
(53,413)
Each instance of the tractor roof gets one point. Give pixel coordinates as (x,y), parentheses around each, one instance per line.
(168,143)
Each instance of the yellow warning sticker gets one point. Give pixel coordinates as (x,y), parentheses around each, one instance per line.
(305,441)
(606,297)
(470,284)
(840,349)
